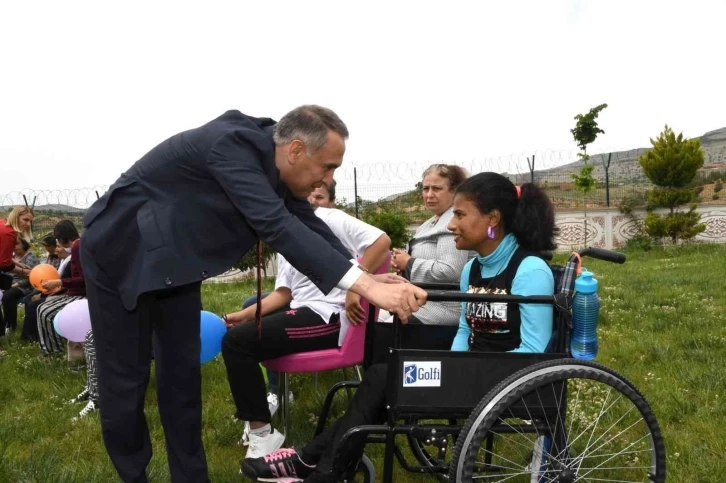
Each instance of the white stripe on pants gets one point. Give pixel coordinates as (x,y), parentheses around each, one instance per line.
(50,341)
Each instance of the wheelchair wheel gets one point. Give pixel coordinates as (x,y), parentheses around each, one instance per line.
(364,472)
(431,450)
(567,421)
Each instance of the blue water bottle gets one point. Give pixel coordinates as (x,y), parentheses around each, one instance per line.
(585,310)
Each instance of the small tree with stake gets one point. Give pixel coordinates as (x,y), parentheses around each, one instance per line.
(585,132)
(671,165)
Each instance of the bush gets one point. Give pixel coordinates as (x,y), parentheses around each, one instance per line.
(679,224)
(392,223)
(714,197)
(717,187)
(639,242)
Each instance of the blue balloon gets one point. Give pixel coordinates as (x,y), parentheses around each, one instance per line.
(211,332)
(55,323)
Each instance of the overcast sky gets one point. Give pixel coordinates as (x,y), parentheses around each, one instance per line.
(88,87)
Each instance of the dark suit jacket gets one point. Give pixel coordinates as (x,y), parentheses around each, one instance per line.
(192,206)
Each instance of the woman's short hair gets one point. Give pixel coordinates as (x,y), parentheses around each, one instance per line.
(453,174)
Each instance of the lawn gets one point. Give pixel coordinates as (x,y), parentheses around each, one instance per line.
(663,326)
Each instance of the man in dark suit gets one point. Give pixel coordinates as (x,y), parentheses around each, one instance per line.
(186,211)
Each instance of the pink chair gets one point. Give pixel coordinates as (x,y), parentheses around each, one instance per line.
(350,353)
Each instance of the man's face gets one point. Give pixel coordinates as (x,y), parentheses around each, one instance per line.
(321,197)
(303,173)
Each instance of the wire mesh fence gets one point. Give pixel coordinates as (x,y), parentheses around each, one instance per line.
(395,185)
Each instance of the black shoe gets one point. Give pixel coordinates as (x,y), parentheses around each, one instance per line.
(283,463)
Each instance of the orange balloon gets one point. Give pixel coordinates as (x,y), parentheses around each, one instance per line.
(42,273)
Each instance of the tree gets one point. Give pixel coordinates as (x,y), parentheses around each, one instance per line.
(586,129)
(671,165)
(249,260)
(584,182)
(585,132)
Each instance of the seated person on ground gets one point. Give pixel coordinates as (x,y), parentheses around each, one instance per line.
(20,285)
(311,321)
(61,261)
(62,291)
(506,231)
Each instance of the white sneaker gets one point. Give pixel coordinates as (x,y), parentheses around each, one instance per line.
(272,402)
(245,439)
(273,406)
(82,396)
(260,446)
(90,407)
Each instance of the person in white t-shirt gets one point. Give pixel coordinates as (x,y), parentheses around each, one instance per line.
(298,317)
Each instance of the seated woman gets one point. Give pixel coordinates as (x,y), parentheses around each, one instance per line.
(432,258)
(17,225)
(311,321)
(61,260)
(21,285)
(74,286)
(506,230)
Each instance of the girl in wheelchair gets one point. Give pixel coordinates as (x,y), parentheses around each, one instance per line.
(507,226)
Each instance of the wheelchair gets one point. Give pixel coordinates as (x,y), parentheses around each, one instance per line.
(515,417)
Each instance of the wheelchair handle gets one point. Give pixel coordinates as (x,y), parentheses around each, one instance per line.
(439,296)
(603,254)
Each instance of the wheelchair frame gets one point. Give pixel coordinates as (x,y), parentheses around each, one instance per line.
(449,401)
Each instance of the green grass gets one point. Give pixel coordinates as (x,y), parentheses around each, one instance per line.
(663,326)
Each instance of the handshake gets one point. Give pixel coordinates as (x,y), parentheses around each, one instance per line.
(390,292)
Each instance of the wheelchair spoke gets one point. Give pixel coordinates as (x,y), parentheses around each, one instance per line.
(609,479)
(524,434)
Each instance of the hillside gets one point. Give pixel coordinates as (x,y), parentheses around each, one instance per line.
(625,168)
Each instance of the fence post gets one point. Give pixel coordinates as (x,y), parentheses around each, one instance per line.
(607,179)
(355,190)
(531,169)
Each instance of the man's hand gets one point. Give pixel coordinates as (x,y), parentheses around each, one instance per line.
(353,309)
(388,278)
(35,297)
(402,299)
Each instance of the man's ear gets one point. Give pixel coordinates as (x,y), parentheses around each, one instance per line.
(294,150)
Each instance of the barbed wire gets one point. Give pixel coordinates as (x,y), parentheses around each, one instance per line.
(48,200)
(382,180)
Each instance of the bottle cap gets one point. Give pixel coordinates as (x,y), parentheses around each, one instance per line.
(586,282)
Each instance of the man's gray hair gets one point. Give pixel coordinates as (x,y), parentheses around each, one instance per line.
(310,124)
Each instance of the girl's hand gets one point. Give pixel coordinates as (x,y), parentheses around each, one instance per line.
(230,320)
(51,285)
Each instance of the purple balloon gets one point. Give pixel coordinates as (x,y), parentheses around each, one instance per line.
(74,321)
